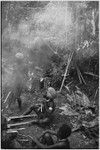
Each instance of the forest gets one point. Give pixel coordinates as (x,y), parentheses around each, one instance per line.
(50,44)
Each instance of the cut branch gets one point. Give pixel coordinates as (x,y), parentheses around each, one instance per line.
(69,61)
(21,117)
(90,73)
(14,125)
(80,75)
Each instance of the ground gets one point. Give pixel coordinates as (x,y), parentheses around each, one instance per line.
(77,139)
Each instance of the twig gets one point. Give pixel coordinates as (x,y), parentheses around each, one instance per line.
(49,46)
(90,73)
(96,93)
(69,83)
(80,75)
(7,97)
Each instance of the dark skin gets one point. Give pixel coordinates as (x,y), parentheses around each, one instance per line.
(36,108)
(57,145)
(60,144)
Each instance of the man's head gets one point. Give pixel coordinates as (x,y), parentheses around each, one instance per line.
(64,131)
(19,57)
(51,93)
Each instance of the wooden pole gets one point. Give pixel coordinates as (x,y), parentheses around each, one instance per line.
(12,130)
(21,117)
(14,125)
(69,60)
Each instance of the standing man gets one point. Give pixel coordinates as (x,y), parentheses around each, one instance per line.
(20,75)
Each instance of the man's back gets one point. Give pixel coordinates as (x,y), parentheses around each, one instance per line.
(63,144)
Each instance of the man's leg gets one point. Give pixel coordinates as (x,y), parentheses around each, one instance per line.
(19,103)
(11,99)
(33,107)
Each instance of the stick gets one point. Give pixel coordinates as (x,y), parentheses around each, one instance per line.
(49,46)
(7,97)
(69,83)
(96,93)
(82,78)
(90,73)
(11,130)
(22,123)
(80,74)
(69,60)
(21,117)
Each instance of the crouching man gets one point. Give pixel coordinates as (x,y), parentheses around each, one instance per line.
(44,110)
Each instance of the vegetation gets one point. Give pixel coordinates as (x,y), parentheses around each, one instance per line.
(60,42)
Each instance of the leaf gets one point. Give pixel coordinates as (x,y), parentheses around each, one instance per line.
(79,98)
(66,109)
(91,123)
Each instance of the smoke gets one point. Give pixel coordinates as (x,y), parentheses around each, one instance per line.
(52,24)
(33,35)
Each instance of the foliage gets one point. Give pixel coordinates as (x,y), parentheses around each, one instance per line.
(50,31)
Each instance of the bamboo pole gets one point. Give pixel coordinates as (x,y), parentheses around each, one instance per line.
(21,117)
(21,123)
(12,130)
(69,60)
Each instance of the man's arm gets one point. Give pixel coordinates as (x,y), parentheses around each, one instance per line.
(29,110)
(57,145)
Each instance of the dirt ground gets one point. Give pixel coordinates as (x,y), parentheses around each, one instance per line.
(77,140)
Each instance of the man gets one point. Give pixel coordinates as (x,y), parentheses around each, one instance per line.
(62,139)
(20,74)
(15,95)
(46,108)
